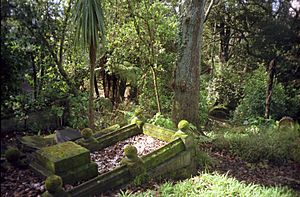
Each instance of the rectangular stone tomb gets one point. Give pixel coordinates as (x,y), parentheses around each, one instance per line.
(68,160)
(176,159)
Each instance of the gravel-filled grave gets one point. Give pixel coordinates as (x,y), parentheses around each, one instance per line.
(18,182)
(109,158)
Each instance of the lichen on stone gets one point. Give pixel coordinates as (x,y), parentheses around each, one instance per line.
(286,123)
(137,121)
(183,125)
(179,134)
(53,185)
(130,151)
(91,144)
(134,163)
(12,155)
(87,133)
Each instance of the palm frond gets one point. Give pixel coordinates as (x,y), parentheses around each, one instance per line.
(89,20)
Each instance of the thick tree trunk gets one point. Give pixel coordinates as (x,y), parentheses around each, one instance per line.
(271,72)
(187,72)
(91,94)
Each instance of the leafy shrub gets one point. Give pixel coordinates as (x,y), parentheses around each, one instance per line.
(159,120)
(103,104)
(225,88)
(78,111)
(253,103)
(221,143)
(204,104)
(266,144)
(204,160)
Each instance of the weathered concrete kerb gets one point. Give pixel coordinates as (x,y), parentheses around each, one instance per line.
(71,160)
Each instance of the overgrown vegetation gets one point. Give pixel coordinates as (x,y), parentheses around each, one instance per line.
(213,185)
(248,76)
(260,143)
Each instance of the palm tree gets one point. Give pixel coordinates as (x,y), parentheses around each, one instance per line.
(89,19)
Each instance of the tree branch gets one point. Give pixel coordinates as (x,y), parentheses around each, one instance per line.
(208,10)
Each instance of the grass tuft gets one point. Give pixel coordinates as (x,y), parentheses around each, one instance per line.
(207,185)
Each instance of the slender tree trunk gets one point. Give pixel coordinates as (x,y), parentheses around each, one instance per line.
(156,89)
(224,44)
(187,72)
(271,72)
(133,94)
(213,50)
(96,86)
(41,79)
(35,85)
(91,94)
(122,88)
(104,83)
(114,89)
(108,85)
(59,60)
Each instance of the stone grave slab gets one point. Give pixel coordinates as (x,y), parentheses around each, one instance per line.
(68,160)
(67,134)
(32,143)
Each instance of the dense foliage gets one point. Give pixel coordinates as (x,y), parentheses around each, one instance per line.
(97,63)
(139,55)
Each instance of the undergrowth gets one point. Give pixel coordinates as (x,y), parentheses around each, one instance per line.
(212,185)
(258,144)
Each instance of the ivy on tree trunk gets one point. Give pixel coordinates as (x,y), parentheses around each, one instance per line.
(187,73)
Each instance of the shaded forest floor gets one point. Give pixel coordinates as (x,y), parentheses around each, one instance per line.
(18,182)
(257,173)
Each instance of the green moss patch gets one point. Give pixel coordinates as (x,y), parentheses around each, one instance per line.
(68,160)
(36,142)
(118,135)
(158,132)
(163,154)
(62,157)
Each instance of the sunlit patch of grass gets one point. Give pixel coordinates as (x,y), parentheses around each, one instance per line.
(213,185)
(259,143)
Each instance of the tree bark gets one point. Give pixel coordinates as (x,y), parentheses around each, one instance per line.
(271,72)
(224,44)
(35,85)
(187,73)
(91,114)
(122,88)
(59,61)
(156,89)
(96,86)
(114,89)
